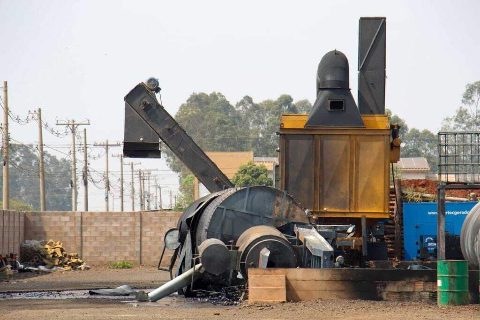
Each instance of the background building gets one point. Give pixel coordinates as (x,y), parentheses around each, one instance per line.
(230,162)
(413,168)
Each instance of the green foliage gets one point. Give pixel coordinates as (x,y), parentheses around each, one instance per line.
(303,106)
(187,192)
(467,116)
(416,143)
(121,265)
(216,125)
(251,174)
(18,205)
(410,195)
(25,181)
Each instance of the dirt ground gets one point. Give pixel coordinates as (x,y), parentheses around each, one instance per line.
(321,309)
(97,277)
(430,187)
(178,308)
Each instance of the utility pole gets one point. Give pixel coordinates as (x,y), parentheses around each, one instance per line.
(85,170)
(140,188)
(41,167)
(73,127)
(5,147)
(121,179)
(149,195)
(106,145)
(143,190)
(156,194)
(171,204)
(132,191)
(160,197)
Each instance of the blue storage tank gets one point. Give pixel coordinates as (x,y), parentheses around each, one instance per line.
(420,225)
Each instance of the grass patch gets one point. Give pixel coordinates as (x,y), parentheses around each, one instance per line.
(121,265)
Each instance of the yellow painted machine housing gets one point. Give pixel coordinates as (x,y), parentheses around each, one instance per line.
(337,172)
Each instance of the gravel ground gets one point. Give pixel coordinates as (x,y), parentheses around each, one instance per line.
(142,277)
(321,309)
(97,277)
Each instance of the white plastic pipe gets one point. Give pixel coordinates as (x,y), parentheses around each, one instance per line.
(176,284)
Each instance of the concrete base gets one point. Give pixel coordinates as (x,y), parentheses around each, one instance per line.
(363,284)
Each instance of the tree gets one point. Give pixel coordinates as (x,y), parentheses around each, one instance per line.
(416,143)
(251,174)
(467,116)
(187,192)
(215,125)
(393,118)
(421,144)
(212,122)
(25,181)
(303,106)
(18,205)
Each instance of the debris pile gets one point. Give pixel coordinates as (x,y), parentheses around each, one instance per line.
(228,296)
(55,255)
(52,255)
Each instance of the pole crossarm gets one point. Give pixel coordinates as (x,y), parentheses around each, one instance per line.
(106,145)
(73,125)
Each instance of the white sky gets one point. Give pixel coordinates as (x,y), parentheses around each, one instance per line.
(78,59)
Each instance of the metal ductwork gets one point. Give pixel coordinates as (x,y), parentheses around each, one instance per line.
(334,106)
(371,65)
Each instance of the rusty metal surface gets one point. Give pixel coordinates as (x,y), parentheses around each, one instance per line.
(145,105)
(239,209)
(337,172)
(254,240)
(371,65)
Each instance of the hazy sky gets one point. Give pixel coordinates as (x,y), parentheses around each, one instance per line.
(78,59)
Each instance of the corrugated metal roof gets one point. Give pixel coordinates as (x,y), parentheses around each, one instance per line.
(265,159)
(413,164)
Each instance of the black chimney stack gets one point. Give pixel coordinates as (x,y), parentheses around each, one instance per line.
(371,65)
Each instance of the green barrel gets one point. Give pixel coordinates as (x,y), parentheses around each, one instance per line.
(452,282)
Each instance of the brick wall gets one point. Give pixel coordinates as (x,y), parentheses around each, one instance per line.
(105,237)
(11,231)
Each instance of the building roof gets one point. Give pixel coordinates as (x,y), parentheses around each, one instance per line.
(230,162)
(413,164)
(268,162)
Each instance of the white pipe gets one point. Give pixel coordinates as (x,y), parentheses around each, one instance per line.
(176,284)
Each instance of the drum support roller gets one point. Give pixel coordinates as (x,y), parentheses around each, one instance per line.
(470,237)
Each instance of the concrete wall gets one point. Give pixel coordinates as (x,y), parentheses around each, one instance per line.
(11,231)
(98,237)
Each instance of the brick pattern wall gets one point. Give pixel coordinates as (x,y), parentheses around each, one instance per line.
(154,227)
(105,237)
(11,231)
(56,225)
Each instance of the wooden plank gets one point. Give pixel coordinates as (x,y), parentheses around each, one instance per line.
(270,271)
(295,296)
(266,281)
(267,295)
(345,274)
(330,285)
(269,288)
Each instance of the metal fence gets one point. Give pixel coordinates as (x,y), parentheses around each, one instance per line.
(459,157)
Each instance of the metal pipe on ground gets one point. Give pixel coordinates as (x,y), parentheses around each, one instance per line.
(176,284)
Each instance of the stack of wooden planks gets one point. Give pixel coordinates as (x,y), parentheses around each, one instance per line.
(55,255)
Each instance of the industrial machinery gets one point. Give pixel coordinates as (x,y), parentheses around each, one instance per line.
(334,180)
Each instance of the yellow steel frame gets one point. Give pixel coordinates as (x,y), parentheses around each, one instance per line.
(375,126)
(297,121)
